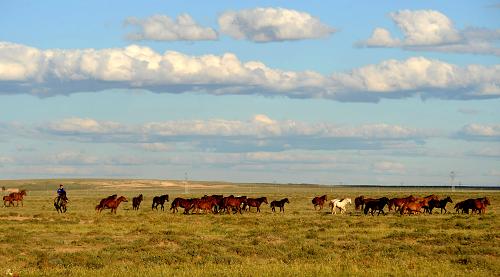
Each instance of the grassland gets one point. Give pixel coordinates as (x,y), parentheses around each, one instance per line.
(36,241)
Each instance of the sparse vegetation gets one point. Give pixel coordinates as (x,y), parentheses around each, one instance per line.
(36,240)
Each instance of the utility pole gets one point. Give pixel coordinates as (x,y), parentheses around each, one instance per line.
(452,178)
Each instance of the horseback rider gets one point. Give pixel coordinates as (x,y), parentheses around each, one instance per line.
(61,194)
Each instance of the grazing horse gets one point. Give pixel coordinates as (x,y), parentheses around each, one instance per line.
(234,203)
(439,204)
(319,201)
(280,204)
(187,204)
(8,199)
(255,202)
(398,203)
(112,204)
(159,200)
(340,204)
(376,205)
(18,196)
(60,203)
(136,202)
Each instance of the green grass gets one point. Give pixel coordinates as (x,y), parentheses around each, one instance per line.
(36,241)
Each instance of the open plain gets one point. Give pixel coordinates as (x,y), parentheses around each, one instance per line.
(37,241)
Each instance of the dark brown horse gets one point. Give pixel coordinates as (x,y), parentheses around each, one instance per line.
(61,202)
(398,203)
(373,205)
(359,202)
(18,196)
(234,203)
(159,200)
(319,201)
(112,204)
(187,204)
(255,202)
(280,204)
(219,201)
(136,202)
(439,204)
(476,205)
(8,199)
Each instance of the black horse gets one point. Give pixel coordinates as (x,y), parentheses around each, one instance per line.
(159,200)
(439,204)
(376,205)
(60,203)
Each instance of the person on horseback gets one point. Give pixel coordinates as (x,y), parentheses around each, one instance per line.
(61,194)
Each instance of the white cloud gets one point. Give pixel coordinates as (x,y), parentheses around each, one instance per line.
(480,131)
(164,28)
(272,24)
(155,147)
(430,30)
(56,71)
(389,167)
(260,126)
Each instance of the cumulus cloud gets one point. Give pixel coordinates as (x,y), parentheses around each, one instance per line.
(50,72)
(476,131)
(272,24)
(164,28)
(430,30)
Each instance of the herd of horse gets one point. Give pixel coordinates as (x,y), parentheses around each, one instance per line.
(406,205)
(205,204)
(236,204)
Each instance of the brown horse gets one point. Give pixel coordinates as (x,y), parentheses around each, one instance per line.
(136,202)
(112,204)
(398,203)
(187,204)
(206,204)
(425,201)
(18,196)
(8,199)
(413,207)
(439,204)
(359,202)
(61,202)
(101,203)
(373,205)
(476,205)
(319,201)
(255,202)
(159,200)
(280,204)
(219,201)
(234,203)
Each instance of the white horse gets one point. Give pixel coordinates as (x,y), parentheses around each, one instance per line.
(338,203)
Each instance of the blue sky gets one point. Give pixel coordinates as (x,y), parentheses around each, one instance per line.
(374,93)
